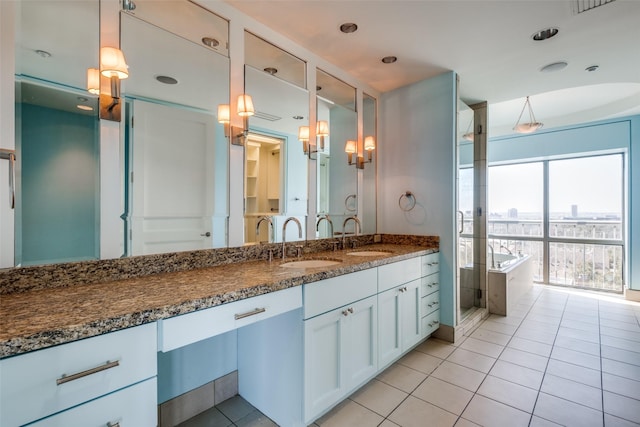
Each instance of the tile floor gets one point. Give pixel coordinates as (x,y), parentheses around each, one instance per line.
(560,358)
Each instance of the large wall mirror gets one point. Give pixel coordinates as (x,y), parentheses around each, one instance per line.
(57,132)
(275,169)
(337,179)
(369,182)
(176,151)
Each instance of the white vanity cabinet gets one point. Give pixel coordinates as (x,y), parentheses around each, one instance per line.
(399,309)
(46,382)
(340,339)
(430,294)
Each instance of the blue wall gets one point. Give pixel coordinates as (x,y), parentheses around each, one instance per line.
(615,135)
(59,196)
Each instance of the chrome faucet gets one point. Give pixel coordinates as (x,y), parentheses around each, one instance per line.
(326,218)
(493,260)
(269,227)
(507,249)
(284,233)
(357,227)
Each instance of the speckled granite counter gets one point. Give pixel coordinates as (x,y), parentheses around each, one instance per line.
(47,316)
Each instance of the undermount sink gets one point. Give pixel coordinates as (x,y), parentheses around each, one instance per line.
(310,263)
(368,253)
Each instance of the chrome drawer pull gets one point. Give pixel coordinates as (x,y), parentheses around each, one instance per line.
(116,424)
(250,313)
(67,378)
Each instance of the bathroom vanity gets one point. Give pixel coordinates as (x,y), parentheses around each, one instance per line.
(307,337)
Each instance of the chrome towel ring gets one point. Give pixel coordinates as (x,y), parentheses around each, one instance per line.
(407,201)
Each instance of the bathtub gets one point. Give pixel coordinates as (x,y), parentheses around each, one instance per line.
(508,281)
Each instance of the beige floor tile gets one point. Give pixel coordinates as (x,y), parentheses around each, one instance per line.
(529,346)
(387,423)
(420,362)
(436,348)
(577,345)
(573,391)
(620,355)
(576,373)
(482,347)
(502,328)
(536,335)
(209,418)
(522,358)
(612,421)
(235,408)
(621,343)
(622,386)
(414,412)
(576,357)
(621,407)
(444,395)
(621,369)
(402,377)
(541,422)
(507,320)
(379,397)
(590,336)
(255,419)
(459,375)
(517,374)
(620,317)
(465,423)
(589,324)
(349,413)
(566,413)
(621,333)
(472,360)
(509,393)
(491,336)
(487,412)
(615,324)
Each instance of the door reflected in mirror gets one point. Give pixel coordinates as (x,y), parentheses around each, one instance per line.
(370,144)
(337,179)
(177,152)
(57,211)
(276,168)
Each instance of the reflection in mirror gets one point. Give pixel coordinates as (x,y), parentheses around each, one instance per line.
(57,137)
(370,154)
(275,166)
(337,180)
(177,153)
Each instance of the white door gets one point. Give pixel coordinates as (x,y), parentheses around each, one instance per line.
(172,180)
(361,347)
(410,312)
(389,341)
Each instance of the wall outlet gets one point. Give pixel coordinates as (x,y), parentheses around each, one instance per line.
(377,238)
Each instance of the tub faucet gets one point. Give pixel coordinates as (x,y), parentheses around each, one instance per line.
(493,260)
(284,233)
(507,249)
(269,227)
(326,218)
(357,227)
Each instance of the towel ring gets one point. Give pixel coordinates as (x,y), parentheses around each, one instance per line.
(346,203)
(411,201)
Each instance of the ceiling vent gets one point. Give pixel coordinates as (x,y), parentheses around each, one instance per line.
(580,6)
(266,116)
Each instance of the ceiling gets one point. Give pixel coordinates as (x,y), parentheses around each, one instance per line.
(487,43)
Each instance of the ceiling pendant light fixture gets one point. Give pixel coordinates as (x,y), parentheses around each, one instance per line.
(531,126)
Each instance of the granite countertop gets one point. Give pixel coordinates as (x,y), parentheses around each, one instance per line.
(43,318)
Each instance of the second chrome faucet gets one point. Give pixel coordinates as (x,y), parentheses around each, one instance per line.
(284,233)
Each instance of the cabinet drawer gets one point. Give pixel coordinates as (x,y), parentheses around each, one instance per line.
(430,264)
(430,284)
(186,329)
(430,323)
(392,275)
(325,295)
(430,303)
(35,385)
(134,406)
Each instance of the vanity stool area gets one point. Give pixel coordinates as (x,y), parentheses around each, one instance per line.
(306,338)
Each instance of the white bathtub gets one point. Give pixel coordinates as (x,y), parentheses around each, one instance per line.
(508,281)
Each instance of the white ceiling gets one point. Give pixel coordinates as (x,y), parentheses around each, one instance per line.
(488,43)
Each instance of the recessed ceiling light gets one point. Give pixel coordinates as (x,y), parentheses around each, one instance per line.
(84,107)
(555,66)
(271,70)
(210,42)
(389,59)
(545,34)
(348,27)
(592,68)
(166,80)
(43,53)
(298,117)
